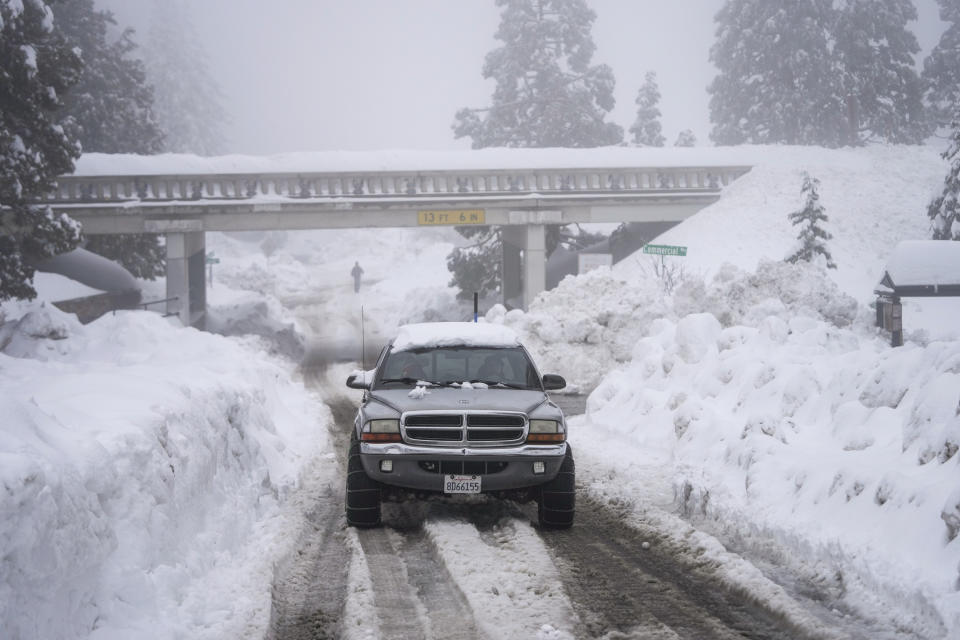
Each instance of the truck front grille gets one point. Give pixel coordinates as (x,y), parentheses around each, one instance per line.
(467,428)
(447,435)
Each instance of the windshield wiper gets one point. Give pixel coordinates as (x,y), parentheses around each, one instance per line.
(500,383)
(405,380)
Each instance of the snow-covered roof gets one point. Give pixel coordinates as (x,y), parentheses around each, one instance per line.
(447,334)
(916,263)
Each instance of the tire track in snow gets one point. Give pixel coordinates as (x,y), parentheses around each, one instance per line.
(620,587)
(310,586)
(507,576)
(400,614)
(448,613)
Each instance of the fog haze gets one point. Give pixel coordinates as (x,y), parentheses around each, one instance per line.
(307,75)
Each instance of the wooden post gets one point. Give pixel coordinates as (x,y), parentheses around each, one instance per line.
(896,322)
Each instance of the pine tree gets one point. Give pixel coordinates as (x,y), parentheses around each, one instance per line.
(646,129)
(812,236)
(113,106)
(944,211)
(187,100)
(686,138)
(547,93)
(36,143)
(941,69)
(476,267)
(777,82)
(881,89)
(112,102)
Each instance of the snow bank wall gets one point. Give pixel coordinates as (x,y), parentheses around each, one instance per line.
(136,460)
(825,439)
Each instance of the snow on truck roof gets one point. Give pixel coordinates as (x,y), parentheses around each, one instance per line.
(448,334)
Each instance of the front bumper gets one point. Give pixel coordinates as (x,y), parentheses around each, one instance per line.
(422,468)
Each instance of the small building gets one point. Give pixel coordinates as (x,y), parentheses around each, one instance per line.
(916,269)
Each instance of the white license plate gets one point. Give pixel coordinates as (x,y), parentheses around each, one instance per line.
(461,484)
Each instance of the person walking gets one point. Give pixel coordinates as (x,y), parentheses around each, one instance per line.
(356,272)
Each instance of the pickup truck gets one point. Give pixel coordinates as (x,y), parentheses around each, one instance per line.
(455,408)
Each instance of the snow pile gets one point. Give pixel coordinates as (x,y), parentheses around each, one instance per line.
(569,333)
(590,323)
(245,313)
(824,439)
(780,289)
(142,467)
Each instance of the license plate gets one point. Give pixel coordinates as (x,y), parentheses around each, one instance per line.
(461,484)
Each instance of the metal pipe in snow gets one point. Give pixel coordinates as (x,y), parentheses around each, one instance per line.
(475,305)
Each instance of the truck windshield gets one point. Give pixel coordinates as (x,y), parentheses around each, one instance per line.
(510,367)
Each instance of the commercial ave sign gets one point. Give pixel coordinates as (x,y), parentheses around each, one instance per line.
(664,250)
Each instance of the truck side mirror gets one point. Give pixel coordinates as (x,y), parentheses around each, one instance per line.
(552,382)
(355,381)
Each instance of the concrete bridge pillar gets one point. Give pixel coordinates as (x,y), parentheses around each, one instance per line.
(534,262)
(524,263)
(186,266)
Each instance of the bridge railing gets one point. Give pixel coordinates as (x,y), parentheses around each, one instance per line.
(373,185)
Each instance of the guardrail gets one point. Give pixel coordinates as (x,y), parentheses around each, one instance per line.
(373,185)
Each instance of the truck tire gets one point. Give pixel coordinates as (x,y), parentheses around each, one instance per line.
(557,500)
(363,493)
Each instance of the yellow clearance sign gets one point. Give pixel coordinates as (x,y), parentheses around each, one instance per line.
(452,216)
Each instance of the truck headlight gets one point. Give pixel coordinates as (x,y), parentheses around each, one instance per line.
(381,431)
(546,431)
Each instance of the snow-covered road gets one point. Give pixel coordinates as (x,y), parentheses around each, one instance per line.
(481,569)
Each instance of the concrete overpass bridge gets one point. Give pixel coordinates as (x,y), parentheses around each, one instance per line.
(522,190)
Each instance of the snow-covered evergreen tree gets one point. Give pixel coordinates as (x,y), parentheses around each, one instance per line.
(646,129)
(881,88)
(36,143)
(944,211)
(112,102)
(547,93)
(812,236)
(686,138)
(113,106)
(187,99)
(777,81)
(941,69)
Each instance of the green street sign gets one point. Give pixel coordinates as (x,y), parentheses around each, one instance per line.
(664,250)
(211,259)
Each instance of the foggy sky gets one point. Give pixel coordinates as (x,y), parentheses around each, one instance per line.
(304,75)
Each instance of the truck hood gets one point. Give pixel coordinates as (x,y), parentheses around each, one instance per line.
(455,399)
